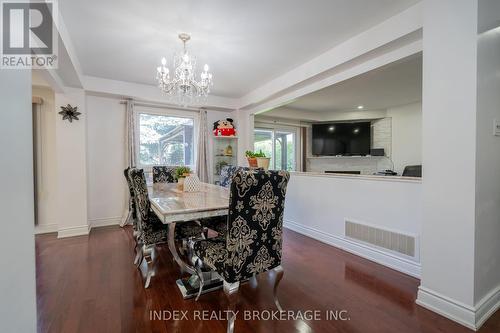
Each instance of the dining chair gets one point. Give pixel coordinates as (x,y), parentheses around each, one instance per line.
(132,217)
(151,230)
(164,174)
(253,242)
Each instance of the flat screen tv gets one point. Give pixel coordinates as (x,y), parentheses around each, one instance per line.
(345,139)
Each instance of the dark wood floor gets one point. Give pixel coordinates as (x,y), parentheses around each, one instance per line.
(89,284)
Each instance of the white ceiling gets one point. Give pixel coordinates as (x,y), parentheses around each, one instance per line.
(246,43)
(392,85)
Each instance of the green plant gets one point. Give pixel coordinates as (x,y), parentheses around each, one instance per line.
(251,154)
(180,171)
(260,154)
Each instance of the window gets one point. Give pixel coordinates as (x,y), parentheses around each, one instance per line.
(278,144)
(166,140)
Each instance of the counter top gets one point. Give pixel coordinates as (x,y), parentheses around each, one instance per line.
(360,177)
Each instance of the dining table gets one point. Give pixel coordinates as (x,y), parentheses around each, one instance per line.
(173,206)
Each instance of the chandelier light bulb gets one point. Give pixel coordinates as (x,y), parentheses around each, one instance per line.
(163,61)
(158,69)
(206,67)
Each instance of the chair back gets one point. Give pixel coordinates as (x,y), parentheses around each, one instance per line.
(412,171)
(141,196)
(131,200)
(227,173)
(164,174)
(255,223)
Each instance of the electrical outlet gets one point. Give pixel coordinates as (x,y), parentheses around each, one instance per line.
(496,129)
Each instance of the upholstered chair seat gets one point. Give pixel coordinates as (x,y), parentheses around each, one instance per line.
(213,251)
(155,232)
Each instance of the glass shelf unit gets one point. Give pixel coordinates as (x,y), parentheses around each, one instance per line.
(225,152)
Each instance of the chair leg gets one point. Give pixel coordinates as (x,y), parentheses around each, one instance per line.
(231,292)
(279,275)
(253,281)
(201,278)
(138,255)
(148,255)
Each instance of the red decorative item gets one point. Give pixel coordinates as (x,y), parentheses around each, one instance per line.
(224,128)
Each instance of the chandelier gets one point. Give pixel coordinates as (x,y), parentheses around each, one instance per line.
(182,86)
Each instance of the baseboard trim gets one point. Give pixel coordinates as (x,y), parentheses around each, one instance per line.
(105,221)
(468,316)
(46,228)
(73,231)
(487,306)
(447,307)
(371,253)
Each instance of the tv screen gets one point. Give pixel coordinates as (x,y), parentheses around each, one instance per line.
(341,139)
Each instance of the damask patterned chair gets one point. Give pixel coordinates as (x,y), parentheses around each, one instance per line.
(151,230)
(164,174)
(132,217)
(253,244)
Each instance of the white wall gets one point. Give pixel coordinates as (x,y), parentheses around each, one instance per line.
(487,255)
(17,278)
(406,135)
(449,158)
(318,205)
(107,188)
(71,159)
(47,182)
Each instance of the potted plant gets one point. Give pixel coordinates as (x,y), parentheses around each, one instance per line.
(180,174)
(252,160)
(262,160)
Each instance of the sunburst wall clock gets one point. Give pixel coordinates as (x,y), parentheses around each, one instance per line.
(69,112)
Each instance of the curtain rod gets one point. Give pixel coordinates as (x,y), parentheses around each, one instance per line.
(163,105)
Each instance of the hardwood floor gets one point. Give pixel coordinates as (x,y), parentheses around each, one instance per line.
(89,284)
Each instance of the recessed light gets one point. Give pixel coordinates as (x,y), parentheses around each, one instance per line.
(360,107)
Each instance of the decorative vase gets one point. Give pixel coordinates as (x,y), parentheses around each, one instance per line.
(252,162)
(263,162)
(180,181)
(192,184)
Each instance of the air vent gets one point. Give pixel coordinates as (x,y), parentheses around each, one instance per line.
(393,241)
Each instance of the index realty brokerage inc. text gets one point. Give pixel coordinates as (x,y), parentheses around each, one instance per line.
(309,315)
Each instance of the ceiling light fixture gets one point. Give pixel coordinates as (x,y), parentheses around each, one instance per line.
(183,86)
(360,107)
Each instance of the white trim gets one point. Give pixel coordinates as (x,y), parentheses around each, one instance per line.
(468,316)
(45,228)
(366,251)
(487,306)
(73,231)
(104,221)
(445,306)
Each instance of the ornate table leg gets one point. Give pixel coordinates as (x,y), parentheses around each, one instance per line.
(173,249)
(189,287)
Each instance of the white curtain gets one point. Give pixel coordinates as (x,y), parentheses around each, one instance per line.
(130,136)
(201,160)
